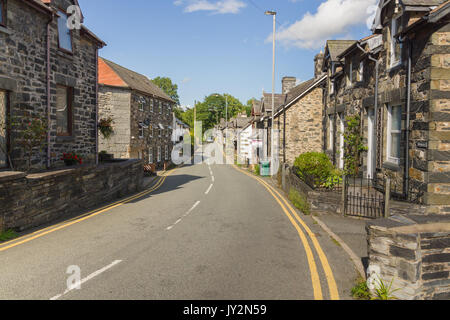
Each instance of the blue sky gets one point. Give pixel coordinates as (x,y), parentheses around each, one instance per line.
(208,46)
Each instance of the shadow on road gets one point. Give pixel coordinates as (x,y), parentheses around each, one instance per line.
(171,183)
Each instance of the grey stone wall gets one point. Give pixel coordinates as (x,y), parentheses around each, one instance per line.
(28,201)
(414,253)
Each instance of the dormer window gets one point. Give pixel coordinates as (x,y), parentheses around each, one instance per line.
(395,48)
(3,13)
(64,33)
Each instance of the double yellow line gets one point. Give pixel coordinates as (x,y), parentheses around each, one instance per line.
(291,213)
(91,214)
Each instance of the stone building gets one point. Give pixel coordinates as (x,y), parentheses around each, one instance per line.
(397,81)
(299,120)
(142,115)
(47,72)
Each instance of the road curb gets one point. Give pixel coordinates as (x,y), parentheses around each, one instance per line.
(353,256)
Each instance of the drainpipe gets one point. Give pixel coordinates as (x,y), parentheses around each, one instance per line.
(96,106)
(408,109)
(284,135)
(48,91)
(374,137)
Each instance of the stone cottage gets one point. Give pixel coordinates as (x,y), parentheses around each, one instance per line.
(48,71)
(142,115)
(397,81)
(299,119)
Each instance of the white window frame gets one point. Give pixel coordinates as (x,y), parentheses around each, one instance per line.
(341,140)
(370,143)
(350,75)
(141,130)
(150,155)
(331,86)
(159,154)
(160,107)
(166,152)
(151,105)
(331,132)
(361,71)
(390,132)
(393,60)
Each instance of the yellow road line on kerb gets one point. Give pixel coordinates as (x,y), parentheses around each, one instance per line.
(309,254)
(91,214)
(334,293)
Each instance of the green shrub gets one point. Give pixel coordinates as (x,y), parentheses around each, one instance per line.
(299,201)
(256,169)
(315,168)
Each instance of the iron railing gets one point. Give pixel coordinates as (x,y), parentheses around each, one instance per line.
(362,199)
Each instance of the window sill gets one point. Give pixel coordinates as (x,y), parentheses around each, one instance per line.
(391,166)
(395,67)
(5,30)
(65,54)
(65,138)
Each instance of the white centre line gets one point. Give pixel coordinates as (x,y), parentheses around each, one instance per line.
(209,189)
(89,277)
(188,212)
(212,178)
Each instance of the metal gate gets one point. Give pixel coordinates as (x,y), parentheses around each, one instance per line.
(361,199)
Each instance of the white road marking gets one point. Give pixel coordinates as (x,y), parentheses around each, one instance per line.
(188,212)
(209,189)
(89,277)
(212,177)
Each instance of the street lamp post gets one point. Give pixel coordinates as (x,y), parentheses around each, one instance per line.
(274,14)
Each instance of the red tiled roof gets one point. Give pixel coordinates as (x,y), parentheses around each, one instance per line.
(107,76)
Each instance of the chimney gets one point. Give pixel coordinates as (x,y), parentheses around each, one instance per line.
(318,63)
(288,83)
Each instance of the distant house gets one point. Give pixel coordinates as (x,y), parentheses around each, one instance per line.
(244,144)
(47,72)
(299,119)
(266,112)
(141,111)
(180,129)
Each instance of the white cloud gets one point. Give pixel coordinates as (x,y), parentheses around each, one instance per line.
(216,7)
(333,18)
(186,80)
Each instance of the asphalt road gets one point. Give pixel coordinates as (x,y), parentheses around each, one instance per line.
(207,232)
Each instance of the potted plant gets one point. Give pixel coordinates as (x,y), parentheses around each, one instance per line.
(105,127)
(104,156)
(71,159)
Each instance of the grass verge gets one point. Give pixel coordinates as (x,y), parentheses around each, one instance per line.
(299,201)
(8,235)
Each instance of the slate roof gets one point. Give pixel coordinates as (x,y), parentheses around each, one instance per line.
(280,99)
(256,109)
(422,2)
(113,74)
(336,47)
(298,90)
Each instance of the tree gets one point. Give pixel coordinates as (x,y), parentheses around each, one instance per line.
(170,88)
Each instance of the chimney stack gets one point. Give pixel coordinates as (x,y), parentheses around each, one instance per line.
(318,63)
(288,83)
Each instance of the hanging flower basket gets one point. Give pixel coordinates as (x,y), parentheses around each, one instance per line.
(71,159)
(105,127)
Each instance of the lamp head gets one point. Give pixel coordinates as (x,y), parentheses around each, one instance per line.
(270,13)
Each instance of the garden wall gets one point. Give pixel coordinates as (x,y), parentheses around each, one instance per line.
(27,201)
(329,201)
(412,251)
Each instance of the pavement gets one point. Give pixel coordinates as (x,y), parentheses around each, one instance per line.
(199,232)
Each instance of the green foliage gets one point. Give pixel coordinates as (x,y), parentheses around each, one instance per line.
(8,235)
(170,88)
(32,135)
(315,166)
(256,170)
(299,201)
(360,291)
(333,180)
(354,145)
(384,292)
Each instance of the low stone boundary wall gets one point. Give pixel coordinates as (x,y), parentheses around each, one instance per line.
(28,201)
(319,200)
(414,251)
